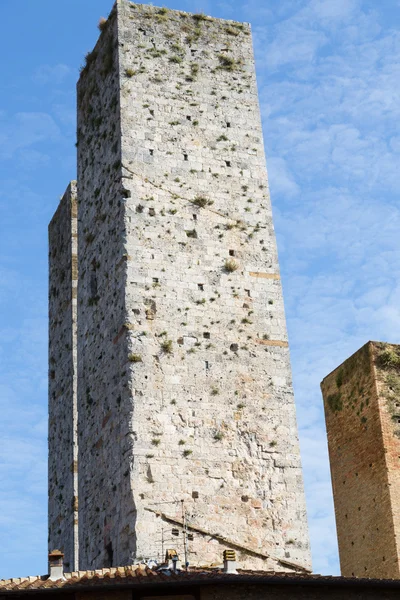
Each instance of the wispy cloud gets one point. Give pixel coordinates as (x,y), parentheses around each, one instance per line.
(330,99)
(51,74)
(25,129)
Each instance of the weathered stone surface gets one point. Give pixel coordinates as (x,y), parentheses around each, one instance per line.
(362,411)
(63,276)
(184,387)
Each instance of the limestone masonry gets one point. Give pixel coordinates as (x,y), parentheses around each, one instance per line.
(362,410)
(63,472)
(186,427)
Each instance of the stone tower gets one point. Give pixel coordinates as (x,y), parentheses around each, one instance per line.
(362,411)
(63,447)
(184,398)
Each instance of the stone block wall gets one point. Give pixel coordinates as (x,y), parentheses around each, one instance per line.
(104,398)
(63,468)
(362,411)
(185,399)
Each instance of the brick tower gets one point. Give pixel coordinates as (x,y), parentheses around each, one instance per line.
(184,399)
(362,411)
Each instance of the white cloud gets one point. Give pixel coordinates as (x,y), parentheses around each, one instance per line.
(51,74)
(330,100)
(340,9)
(281,180)
(26,129)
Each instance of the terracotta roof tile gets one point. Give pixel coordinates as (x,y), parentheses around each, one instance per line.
(143,575)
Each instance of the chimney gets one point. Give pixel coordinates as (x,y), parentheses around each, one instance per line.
(230,562)
(172,560)
(56,565)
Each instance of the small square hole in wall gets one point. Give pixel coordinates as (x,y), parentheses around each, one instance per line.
(190,537)
(151,152)
(201,286)
(175,531)
(228,163)
(193,51)
(231,253)
(195,494)
(152,112)
(247,292)
(228,124)
(194,217)
(155,279)
(185,157)
(206,335)
(189,118)
(207,365)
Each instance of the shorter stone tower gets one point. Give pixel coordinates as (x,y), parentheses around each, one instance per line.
(362,411)
(63,412)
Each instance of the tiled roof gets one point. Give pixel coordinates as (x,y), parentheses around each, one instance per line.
(142,575)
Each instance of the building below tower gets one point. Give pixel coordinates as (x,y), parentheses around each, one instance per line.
(362,411)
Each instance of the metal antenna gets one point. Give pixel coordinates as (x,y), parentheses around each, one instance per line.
(162,541)
(184,535)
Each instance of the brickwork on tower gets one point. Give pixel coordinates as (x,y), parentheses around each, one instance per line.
(362,411)
(184,379)
(63,470)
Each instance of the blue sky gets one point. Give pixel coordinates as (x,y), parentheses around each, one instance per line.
(328,73)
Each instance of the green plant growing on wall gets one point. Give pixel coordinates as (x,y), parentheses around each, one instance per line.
(155,53)
(388,358)
(135,358)
(199,17)
(175,59)
(335,402)
(167,346)
(202,201)
(246,321)
(231,265)
(102,23)
(227,62)
(339,378)
(232,31)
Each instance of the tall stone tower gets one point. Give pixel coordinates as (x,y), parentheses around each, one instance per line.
(184,399)
(362,410)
